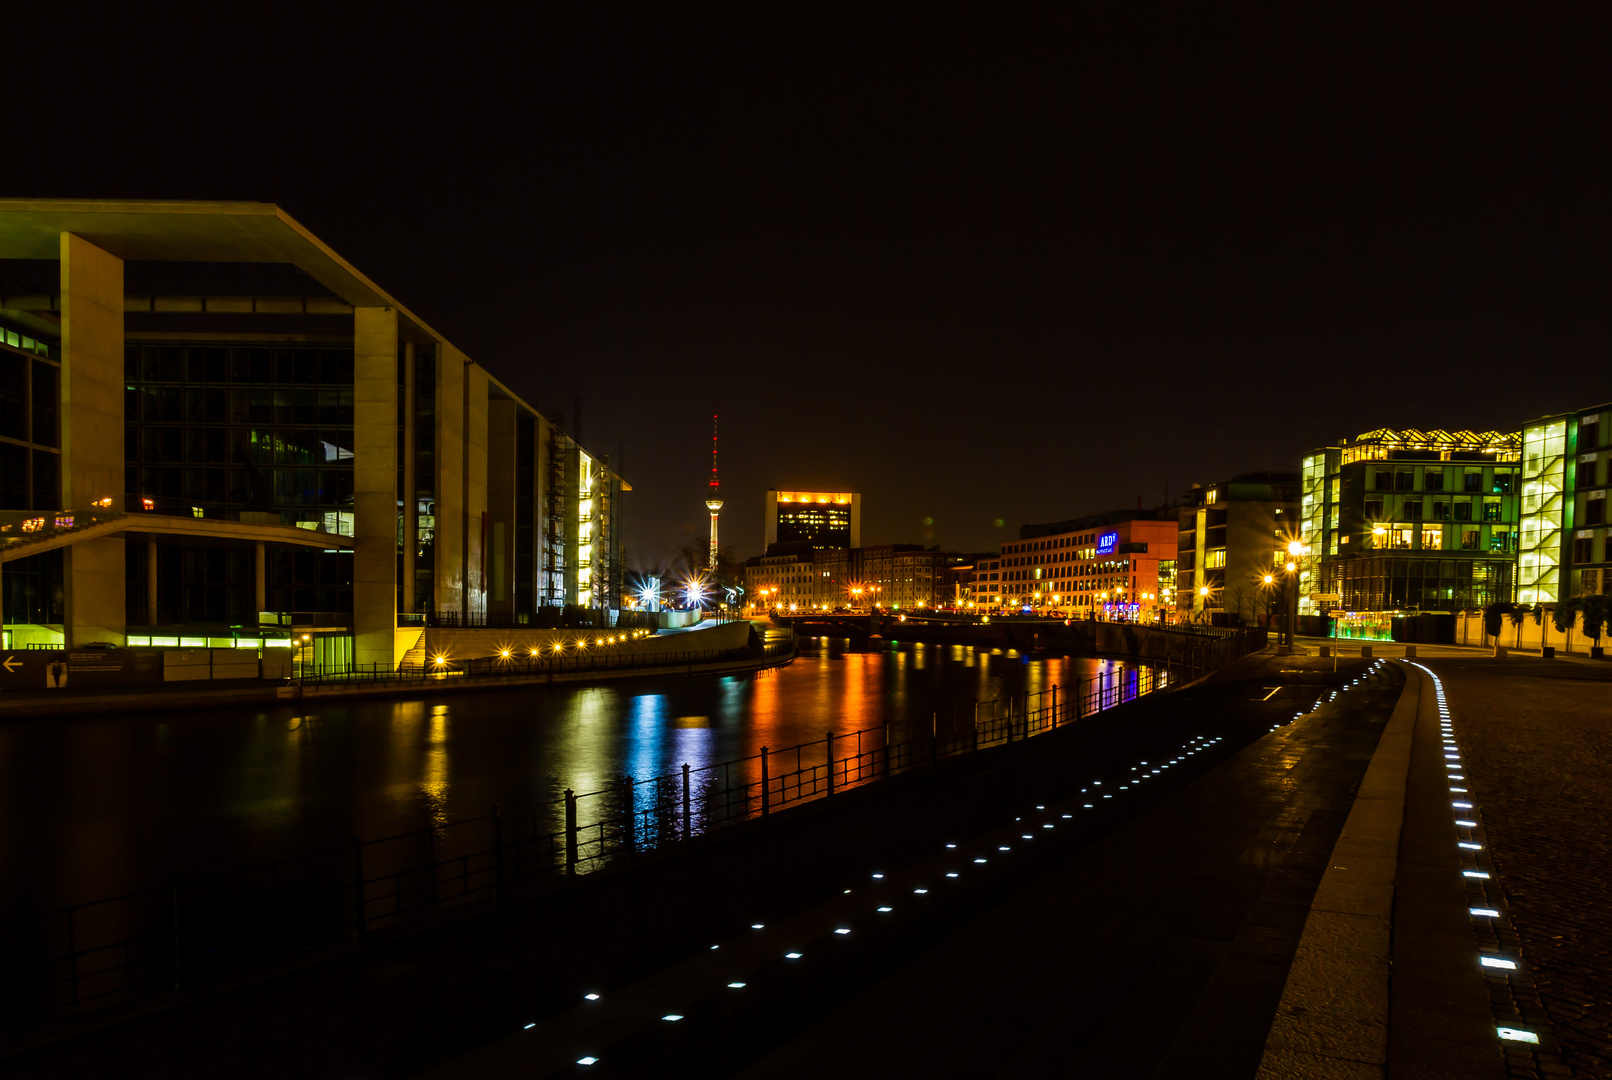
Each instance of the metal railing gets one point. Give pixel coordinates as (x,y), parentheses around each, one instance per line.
(119,948)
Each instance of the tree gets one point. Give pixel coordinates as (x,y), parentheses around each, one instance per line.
(1494,618)
(1595,610)
(1562,618)
(1538,612)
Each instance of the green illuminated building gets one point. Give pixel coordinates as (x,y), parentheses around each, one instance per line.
(1411,521)
(1563,551)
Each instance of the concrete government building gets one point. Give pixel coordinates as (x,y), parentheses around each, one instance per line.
(216,431)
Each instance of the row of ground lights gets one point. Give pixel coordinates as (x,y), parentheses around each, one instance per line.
(1143,769)
(581,644)
(1467,826)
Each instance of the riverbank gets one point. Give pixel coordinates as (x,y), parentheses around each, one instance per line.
(31,704)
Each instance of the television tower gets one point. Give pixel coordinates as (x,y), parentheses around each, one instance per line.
(714,502)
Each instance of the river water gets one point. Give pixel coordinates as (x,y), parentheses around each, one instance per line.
(91,807)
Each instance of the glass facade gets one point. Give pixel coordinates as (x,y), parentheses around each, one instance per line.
(1412,520)
(1544,512)
(241,432)
(30,436)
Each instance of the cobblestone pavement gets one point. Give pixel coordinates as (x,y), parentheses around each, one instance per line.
(1537,738)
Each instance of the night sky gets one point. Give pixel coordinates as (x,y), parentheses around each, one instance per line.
(984,270)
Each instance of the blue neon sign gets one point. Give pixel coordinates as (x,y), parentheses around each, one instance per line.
(1107,542)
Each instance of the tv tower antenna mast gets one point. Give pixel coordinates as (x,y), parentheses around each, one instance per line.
(713,502)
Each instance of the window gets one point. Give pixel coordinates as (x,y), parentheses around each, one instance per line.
(1432,537)
(1595,512)
(1374,509)
(1413,509)
(1584,550)
(1441,511)
(1502,483)
(1469,539)
(1585,475)
(1473,481)
(1404,480)
(1433,480)
(1491,509)
(1463,509)
(1385,481)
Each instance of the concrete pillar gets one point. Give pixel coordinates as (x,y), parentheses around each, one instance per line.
(92,435)
(478,534)
(411,502)
(260,577)
(374,485)
(151,582)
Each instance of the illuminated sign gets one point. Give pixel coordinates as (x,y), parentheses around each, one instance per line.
(1107,542)
(840,498)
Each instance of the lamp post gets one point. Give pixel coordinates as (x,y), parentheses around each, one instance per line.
(1295,549)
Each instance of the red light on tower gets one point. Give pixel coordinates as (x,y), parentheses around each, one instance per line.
(714,502)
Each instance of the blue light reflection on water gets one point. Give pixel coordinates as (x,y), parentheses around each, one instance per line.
(93,806)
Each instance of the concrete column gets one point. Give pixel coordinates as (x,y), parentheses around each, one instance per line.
(151,582)
(92,435)
(479,539)
(410,501)
(374,485)
(260,577)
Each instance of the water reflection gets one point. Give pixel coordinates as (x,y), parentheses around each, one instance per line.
(92,807)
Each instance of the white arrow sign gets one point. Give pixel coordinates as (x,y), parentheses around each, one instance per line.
(11,663)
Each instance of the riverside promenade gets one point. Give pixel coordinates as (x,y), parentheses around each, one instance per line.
(1261,874)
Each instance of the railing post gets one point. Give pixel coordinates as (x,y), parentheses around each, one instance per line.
(498,855)
(766,781)
(570,830)
(1055,705)
(686,814)
(358,888)
(887,749)
(629,812)
(829,751)
(974,736)
(1010,718)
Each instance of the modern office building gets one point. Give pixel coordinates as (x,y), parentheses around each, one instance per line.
(1119,563)
(1566,468)
(215,429)
(823,519)
(1412,520)
(1230,537)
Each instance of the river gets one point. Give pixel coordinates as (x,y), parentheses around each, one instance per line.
(91,807)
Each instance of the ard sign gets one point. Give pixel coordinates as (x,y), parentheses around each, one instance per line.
(1107,542)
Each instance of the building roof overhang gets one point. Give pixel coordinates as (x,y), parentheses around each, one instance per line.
(163,230)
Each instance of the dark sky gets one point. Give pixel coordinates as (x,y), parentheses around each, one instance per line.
(978,268)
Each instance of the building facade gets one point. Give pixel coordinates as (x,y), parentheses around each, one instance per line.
(1566,470)
(1119,563)
(823,519)
(268,445)
(1411,520)
(1230,537)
